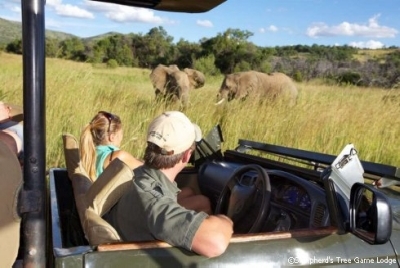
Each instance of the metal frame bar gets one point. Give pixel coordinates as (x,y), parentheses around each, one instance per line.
(380,170)
(33,64)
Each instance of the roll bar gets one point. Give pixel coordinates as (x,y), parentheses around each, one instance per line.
(32,205)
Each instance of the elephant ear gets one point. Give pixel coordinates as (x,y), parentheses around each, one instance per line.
(233,82)
(248,82)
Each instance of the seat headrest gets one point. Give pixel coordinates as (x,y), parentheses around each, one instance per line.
(71,154)
(79,179)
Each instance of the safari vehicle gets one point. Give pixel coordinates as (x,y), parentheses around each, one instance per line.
(289,206)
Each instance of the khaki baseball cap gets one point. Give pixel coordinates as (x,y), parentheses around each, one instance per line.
(173,132)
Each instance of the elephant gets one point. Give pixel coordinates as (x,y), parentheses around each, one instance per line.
(242,84)
(177,88)
(159,77)
(196,78)
(173,84)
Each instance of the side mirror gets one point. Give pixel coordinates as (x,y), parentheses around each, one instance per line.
(370,214)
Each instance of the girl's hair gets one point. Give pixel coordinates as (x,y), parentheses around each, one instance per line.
(94,134)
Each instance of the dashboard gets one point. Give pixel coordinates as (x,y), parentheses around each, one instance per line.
(295,202)
(292,195)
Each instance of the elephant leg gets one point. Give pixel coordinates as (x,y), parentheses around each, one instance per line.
(185,97)
(174,98)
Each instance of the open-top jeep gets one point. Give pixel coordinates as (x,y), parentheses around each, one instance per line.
(289,206)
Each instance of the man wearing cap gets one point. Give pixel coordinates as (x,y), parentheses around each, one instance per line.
(149,210)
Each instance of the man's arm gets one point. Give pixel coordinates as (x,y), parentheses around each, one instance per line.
(213,236)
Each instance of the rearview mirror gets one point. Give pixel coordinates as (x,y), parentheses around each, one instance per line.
(370,214)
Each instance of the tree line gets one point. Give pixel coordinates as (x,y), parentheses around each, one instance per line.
(228,52)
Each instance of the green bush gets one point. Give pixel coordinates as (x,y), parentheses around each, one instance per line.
(349,78)
(112,64)
(265,66)
(242,66)
(298,77)
(206,65)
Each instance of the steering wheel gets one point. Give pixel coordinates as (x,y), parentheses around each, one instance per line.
(243,194)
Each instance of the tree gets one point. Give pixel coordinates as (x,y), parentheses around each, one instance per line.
(153,48)
(15,47)
(52,47)
(119,49)
(187,53)
(100,51)
(230,48)
(73,49)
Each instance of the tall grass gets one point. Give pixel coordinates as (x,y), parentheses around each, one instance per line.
(325,118)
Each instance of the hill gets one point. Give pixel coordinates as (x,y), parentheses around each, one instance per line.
(11,30)
(99,37)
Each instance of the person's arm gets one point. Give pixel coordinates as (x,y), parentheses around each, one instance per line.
(127,158)
(213,236)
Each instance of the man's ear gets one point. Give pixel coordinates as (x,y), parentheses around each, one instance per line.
(187,155)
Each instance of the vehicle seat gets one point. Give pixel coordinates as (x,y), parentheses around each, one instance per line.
(94,199)
(101,197)
(79,179)
(10,186)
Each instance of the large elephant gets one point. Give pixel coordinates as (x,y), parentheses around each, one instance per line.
(172,84)
(177,88)
(159,77)
(272,86)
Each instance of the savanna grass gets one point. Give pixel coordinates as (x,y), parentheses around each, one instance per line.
(325,119)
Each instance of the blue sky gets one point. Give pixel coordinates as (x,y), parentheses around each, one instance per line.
(365,24)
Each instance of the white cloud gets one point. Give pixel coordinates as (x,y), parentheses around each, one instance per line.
(272,28)
(53,3)
(73,11)
(54,24)
(10,10)
(67,10)
(16,9)
(119,13)
(371,29)
(205,23)
(371,44)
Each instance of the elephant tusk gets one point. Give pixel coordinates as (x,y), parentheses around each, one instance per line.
(221,101)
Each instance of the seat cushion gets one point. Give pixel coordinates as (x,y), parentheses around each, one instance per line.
(97,230)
